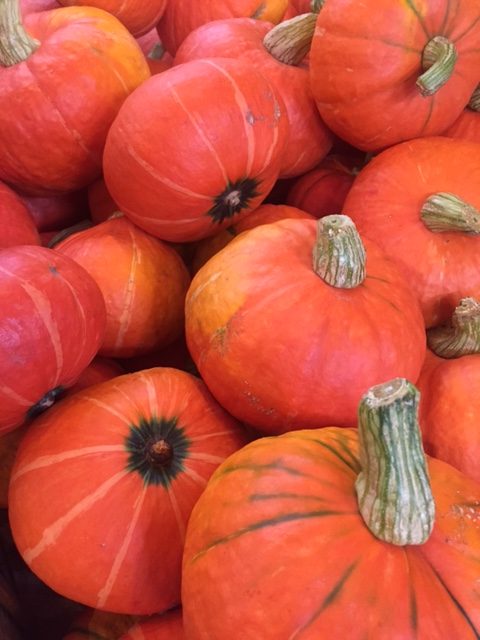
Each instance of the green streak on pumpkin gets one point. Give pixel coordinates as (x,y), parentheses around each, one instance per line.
(157,449)
(457,604)
(350,464)
(258,497)
(236,197)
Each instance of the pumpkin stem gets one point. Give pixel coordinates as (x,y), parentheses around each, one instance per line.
(339,255)
(438,60)
(289,42)
(393,488)
(316,5)
(156,52)
(15,43)
(462,338)
(475,100)
(447,212)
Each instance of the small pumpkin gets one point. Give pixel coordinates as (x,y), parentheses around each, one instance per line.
(168,626)
(18,226)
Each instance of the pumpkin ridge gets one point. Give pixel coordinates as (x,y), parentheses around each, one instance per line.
(471,26)
(411,5)
(273,466)
(337,454)
(431,104)
(258,497)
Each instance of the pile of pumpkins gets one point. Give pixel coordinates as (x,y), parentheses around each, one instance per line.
(240,318)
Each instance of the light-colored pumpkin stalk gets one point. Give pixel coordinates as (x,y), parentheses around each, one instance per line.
(338,254)
(289,42)
(393,488)
(443,212)
(15,43)
(438,61)
(462,338)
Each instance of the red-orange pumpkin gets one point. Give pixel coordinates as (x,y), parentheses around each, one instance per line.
(18,226)
(466,127)
(366,60)
(104,483)
(52,213)
(211,156)
(168,626)
(65,77)
(100,202)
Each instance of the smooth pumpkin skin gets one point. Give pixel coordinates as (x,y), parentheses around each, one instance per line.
(278,539)
(309,139)
(52,319)
(466,127)
(138,16)
(366,57)
(180,18)
(70,484)
(100,202)
(385,202)
(281,349)
(58,105)
(144,288)
(18,226)
(168,626)
(189,135)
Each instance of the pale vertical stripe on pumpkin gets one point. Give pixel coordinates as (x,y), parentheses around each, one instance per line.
(15,43)
(207,436)
(289,42)
(13,395)
(338,254)
(128,308)
(109,409)
(194,476)
(181,526)
(206,457)
(438,61)
(446,212)
(462,338)
(393,487)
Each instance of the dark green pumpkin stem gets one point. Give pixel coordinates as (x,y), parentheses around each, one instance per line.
(156,52)
(438,60)
(289,42)
(339,255)
(474,103)
(393,488)
(15,43)
(444,212)
(462,338)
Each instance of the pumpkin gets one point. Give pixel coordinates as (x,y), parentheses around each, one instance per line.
(159,59)
(385,71)
(137,452)
(34,6)
(277,53)
(286,341)
(168,626)
(180,18)
(179,176)
(99,625)
(466,126)
(145,291)
(317,533)
(18,226)
(52,319)
(64,76)
(450,391)
(137,16)
(420,202)
(100,202)
(52,213)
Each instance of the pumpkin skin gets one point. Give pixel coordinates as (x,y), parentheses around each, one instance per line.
(466,127)
(180,19)
(262,290)
(144,293)
(168,626)
(288,505)
(53,321)
(52,140)
(179,177)
(309,140)
(100,461)
(53,213)
(365,60)
(18,226)
(136,15)
(100,202)
(385,203)
(34,6)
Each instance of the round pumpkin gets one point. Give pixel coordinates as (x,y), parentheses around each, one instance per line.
(168,626)
(64,76)
(18,226)
(98,510)
(420,202)
(336,533)
(383,72)
(52,319)
(144,290)
(179,176)
(286,341)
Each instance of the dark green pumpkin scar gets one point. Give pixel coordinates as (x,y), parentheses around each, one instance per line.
(236,197)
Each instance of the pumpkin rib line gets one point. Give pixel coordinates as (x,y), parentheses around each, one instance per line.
(431,104)
(456,602)
(125,317)
(269,466)
(467,30)
(337,454)
(411,5)
(443,27)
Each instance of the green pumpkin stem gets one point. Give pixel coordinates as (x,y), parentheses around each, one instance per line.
(474,103)
(438,60)
(443,212)
(15,43)
(338,254)
(156,52)
(462,338)
(393,488)
(289,42)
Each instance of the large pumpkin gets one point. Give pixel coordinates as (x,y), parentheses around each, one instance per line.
(286,341)
(104,484)
(384,71)
(420,202)
(195,148)
(52,322)
(65,76)
(466,126)
(327,533)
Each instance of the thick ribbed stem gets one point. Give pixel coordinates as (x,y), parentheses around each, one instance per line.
(393,488)
(316,5)
(447,212)
(475,100)
(15,43)
(289,42)
(438,60)
(462,338)
(339,255)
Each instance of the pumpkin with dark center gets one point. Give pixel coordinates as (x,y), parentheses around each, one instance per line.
(104,483)
(195,148)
